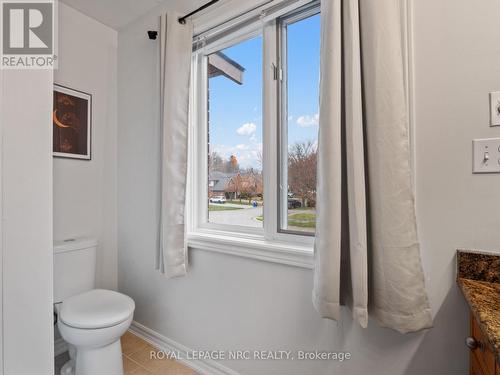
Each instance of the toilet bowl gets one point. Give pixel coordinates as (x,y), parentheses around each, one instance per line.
(90,320)
(92,324)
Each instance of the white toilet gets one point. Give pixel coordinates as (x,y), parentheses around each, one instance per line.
(90,320)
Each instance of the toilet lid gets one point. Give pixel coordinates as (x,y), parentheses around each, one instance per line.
(97,308)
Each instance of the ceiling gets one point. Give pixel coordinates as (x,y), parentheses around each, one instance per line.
(118,13)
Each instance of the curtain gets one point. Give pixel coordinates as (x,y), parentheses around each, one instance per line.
(364,170)
(175,64)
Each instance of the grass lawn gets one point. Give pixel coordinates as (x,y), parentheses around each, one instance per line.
(302,220)
(213,207)
(244,202)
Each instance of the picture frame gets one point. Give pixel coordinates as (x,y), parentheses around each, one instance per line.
(71,123)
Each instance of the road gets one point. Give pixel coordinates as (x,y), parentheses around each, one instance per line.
(245,216)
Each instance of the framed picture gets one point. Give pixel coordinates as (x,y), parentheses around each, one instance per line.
(71,123)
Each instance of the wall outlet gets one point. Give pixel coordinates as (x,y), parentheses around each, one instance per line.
(486,155)
(495,108)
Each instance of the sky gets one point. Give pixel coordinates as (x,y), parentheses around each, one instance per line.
(236,110)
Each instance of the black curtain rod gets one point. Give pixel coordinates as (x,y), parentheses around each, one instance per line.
(182,20)
(152,34)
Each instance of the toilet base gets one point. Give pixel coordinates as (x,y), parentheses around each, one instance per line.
(106,360)
(68,368)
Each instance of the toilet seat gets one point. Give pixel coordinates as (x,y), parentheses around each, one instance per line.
(97,308)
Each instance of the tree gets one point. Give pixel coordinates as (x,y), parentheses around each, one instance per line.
(250,185)
(245,185)
(215,162)
(302,161)
(259,159)
(233,165)
(234,186)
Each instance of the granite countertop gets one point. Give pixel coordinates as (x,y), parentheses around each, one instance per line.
(478,275)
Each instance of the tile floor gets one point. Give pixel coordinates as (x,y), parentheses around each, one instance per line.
(137,361)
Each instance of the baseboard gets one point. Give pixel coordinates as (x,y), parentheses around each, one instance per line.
(203,367)
(60,346)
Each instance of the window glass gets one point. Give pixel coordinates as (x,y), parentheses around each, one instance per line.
(235,185)
(299,125)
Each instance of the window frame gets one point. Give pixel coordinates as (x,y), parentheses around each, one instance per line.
(269,242)
(282,193)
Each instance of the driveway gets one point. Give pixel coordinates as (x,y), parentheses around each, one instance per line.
(246,216)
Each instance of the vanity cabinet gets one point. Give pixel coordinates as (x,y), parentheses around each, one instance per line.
(481,358)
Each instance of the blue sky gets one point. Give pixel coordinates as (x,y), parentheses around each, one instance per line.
(236,110)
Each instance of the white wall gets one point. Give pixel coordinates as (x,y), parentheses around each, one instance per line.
(457,65)
(227,302)
(85,191)
(26,223)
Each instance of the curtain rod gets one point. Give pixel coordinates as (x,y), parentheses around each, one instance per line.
(182,20)
(283,4)
(152,34)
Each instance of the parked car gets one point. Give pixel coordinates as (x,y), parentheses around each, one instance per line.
(294,203)
(218,199)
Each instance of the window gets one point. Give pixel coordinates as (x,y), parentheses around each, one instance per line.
(234,134)
(300,36)
(254,139)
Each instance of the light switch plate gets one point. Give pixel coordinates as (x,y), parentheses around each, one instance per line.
(486,155)
(495,108)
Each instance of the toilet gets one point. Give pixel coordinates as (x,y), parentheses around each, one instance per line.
(90,320)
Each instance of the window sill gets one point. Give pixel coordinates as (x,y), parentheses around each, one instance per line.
(297,255)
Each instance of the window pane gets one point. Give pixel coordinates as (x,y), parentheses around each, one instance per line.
(235,135)
(299,132)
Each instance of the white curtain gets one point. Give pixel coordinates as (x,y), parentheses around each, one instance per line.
(364,170)
(175,63)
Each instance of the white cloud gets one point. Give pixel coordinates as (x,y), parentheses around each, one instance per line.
(241,147)
(247,129)
(307,121)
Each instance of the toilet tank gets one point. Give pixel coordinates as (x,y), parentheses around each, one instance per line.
(74,267)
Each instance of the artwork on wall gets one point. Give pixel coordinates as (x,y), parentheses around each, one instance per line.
(71,123)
